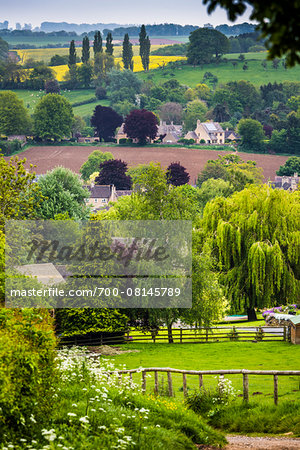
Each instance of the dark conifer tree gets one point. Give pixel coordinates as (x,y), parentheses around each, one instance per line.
(97,45)
(109,44)
(72,54)
(85,50)
(127,54)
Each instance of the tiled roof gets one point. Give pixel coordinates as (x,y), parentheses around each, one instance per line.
(120,193)
(100,191)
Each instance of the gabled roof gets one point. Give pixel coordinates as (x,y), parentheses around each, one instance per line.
(212,127)
(191,135)
(100,191)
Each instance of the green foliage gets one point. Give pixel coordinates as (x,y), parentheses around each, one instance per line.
(20,197)
(93,162)
(195,110)
(171,50)
(10,147)
(255,237)
(127,53)
(109,45)
(291,167)
(3,50)
(72,54)
(212,188)
(252,134)
(64,193)
(97,44)
(27,371)
(145,46)
(204,43)
(85,55)
(14,117)
(233,169)
(59,60)
(88,321)
(278,25)
(53,117)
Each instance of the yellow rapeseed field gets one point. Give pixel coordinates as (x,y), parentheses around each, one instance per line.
(155,62)
(45,54)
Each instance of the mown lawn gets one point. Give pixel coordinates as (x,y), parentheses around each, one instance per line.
(214,356)
(226,72)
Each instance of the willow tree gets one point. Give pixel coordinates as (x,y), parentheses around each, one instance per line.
(255,237)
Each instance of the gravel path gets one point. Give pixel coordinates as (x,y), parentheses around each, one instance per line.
(262,443)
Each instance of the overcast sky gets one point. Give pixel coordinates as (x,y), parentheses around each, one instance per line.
(110,11)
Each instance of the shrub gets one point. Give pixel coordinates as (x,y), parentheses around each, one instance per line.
(8,148)
(100,93)
(27,370)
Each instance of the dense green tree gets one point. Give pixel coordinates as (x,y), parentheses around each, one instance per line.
(20,197)
(103,64)
(125,79)
(72,54)
(254,235)
(64,193)
(93,162)
(204,44)
(39,75)
(109,44)
(85,56)
(97,44)
(252,134)
(53,117)
(231,168)
(123,107)
(105,120)
(77,126)
(127,53)
(195,110)
(141,124)
(145,46)
(14,117)
(291,166)
(278,24)
(84,74)
(59,60)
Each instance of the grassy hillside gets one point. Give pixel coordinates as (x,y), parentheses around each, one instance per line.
(31,98)
(226,72)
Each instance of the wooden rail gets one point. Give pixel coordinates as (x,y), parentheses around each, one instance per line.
(200,373)
(215,334)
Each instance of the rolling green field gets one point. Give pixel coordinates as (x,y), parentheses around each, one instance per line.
(225,72)
(31,99)
(230,355)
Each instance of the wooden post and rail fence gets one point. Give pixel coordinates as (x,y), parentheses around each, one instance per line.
(200,373)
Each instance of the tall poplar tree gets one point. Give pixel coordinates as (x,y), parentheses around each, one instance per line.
(127,54)
(85,50)
(145,46)
(72,54)
(254,236)
(97,44)
(109,45)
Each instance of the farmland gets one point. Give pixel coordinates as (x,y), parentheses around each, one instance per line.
(46,158)
(45,54)
(31,98)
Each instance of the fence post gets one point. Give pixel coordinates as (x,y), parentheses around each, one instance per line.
(170,384)
(120,378)
(206,334)
(184,384)
(156,382)
(200,381)
(130,377)
(276,389)
(284,334)
(143,382)
(245,387)
(180,335)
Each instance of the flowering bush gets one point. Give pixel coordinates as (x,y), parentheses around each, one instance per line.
(206,401)
(287,309)
(96,409)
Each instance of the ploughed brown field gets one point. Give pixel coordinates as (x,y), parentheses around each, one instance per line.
(46,158)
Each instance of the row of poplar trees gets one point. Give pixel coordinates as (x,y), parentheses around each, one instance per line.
(103,61)
(145,45)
